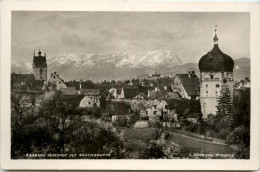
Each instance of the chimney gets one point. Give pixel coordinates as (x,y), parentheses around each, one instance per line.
(80,84)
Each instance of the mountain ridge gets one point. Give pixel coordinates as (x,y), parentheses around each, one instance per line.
(121,66)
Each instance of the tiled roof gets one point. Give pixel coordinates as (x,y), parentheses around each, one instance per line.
(73,100)
(22,78)
(141,95)
(191,84)
(173,95)
(69,91)
(156,95)
(28,80)
(193,115)
(130,91)
(84,84)
(90,92)
(39,61)
(144,89)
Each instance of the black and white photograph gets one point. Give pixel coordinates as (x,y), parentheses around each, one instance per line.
(132,85)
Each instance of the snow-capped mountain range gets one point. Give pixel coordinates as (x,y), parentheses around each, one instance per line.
(151,59)
(121,66)
(106,66)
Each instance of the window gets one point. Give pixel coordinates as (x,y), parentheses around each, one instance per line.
(216,92)
(207,92)
(206,85)
(54,76)
(59,82)
(89,103)
(154,112)
(217,85)
(211,76)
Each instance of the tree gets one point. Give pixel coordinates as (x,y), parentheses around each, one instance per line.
(61,119)
(225,108)
(22,117)
(98,137)
(240,137)
(103,102)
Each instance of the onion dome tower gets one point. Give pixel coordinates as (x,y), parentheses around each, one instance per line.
(215,68)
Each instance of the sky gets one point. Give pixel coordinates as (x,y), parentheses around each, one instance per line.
(189,35)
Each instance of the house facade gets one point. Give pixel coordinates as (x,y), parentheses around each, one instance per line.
(56,80)
(91,98)
(186,85)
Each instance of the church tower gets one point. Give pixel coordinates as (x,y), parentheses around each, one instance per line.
(39,66)
(215,68)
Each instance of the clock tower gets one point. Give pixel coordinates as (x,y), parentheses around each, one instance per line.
(39,66)
(215,68)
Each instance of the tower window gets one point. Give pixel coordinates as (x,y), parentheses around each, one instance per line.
(211,76)
(217,85)
(53,76)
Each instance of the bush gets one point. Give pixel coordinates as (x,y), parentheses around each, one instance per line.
(161,148)
(155,124)
(132,120)
(121,121)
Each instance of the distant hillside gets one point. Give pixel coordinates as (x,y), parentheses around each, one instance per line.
(241,68)
(123,66)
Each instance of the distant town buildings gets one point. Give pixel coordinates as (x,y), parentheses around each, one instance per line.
(149,97)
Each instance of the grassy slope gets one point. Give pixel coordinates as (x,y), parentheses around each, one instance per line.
(136,140)
(199,146)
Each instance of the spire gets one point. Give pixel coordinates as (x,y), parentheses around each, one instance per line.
(39,53)
(215,39)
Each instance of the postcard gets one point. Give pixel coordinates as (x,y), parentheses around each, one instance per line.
(126,85)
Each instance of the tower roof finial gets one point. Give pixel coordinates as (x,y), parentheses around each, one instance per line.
(215,39)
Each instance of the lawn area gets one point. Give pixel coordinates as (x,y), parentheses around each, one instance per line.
(136,140)
(193,145)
